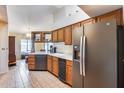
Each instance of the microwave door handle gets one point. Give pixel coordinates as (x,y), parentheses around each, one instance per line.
(84,50)
(81,47)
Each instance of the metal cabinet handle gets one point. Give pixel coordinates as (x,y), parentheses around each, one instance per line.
(84,49)
(81,46)
(122,60)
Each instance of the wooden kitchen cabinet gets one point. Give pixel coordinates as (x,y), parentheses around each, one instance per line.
(55,66)
(55,36)
(12,56)
(75,26)
(69,72)
(31,62)
(88,21)
(49,63)
(68,35)
(61,35)
(117,15)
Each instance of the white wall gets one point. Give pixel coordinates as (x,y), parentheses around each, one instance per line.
(18,37)
(3,40)
(62,48)
(4,49)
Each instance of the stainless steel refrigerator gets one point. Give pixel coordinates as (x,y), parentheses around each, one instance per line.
(98,56)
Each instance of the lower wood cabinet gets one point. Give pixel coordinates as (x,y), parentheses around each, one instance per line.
(49,63)
(37,62)
(69,72)
(55,66)
(31,62)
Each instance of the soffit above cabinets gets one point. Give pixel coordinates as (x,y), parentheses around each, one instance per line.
(95,10)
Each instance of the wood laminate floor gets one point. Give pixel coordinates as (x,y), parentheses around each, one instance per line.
(19,77)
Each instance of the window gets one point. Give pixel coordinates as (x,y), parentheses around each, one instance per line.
(25,46)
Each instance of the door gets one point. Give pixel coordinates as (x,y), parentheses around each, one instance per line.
(77,33)
(41,62)
(68,35)
(77,78)
(101,55)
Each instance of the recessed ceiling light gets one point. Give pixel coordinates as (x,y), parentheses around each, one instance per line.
(69,14)
(76,11)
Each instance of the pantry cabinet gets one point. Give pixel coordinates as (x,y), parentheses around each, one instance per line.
(68,35)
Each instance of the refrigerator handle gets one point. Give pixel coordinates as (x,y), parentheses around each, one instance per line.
(81,47)
(84,50)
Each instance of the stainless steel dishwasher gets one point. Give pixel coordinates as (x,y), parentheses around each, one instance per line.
(62,70)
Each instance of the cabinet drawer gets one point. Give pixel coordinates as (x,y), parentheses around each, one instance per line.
(31,67)
(69,75)
(49,57)
(68,63)
(55,59)
(31,62)
(31,59)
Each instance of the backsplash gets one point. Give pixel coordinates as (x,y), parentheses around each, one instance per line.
(62,48)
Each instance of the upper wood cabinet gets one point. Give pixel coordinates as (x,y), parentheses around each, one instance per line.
(88,21)
(55,36)
(75,26)
(68,35)
(61,35)
(112,15)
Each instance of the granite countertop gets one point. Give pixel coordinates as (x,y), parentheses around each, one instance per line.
(59,55)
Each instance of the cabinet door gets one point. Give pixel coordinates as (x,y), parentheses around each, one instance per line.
(12,57)
(89,21)
(31,62)
(75,26)
(69,72)
(112,15)
(68,35)
(43,37)
(55,36)
(49,63)
(55,66)
(61,35)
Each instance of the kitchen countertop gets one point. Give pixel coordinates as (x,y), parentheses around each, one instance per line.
(59,55)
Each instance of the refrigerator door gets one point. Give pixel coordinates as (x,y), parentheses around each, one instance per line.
(76,34)
(77,73)
(101,55)
(77,77)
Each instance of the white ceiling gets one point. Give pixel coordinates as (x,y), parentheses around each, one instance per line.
(26,18)
(35,17)
(95,10)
